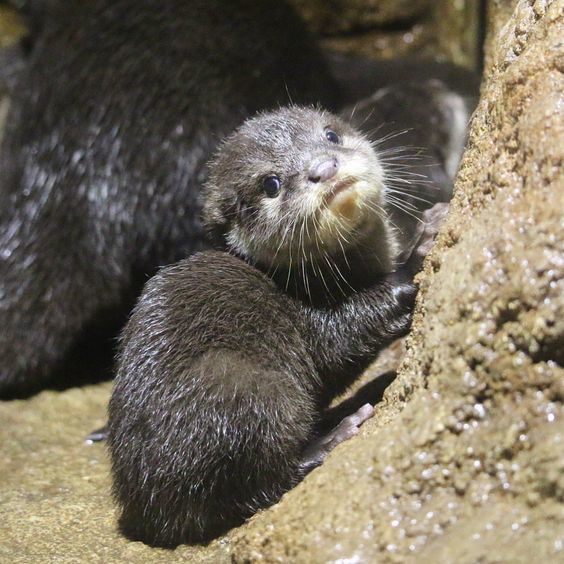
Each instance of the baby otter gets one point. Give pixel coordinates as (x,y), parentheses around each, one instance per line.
(229,358)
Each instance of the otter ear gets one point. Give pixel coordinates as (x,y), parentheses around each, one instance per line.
(218,213)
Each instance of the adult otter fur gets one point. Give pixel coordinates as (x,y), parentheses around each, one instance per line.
(112,117)
(229,357)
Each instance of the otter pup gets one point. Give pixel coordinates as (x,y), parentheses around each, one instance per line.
(116,105)
(229,358)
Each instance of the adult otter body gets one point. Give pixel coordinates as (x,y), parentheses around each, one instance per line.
(113,114)
(230,357)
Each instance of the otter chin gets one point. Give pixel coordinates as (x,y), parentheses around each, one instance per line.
(348,204)
(343,190)
(298,191)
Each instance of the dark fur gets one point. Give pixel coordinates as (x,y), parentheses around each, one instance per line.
(224,369)
(112,119)
(221,380)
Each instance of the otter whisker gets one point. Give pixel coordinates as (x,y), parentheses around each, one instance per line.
(291,246)
(316,238)
(353,111)
(343,252)
(407,149)
(313,263)
(389,136)
(288,93)
(330,265)
(367,117)
(375,208)
(282,240)
(305,278)
(406,204)
(407,177)
(323,279)
(406,211)
(370,133)
(411,195)
(407,184)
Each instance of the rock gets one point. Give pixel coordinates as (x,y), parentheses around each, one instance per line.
(55,502)
(338,16)
(441,30)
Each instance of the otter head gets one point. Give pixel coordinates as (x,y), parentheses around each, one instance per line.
(298,185)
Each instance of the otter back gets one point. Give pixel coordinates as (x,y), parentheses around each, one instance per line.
(115,113)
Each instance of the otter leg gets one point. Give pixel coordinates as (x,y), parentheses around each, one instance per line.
(346,338)
(424,236)
(97,436)
(318,450)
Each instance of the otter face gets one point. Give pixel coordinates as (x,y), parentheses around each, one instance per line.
(296,182)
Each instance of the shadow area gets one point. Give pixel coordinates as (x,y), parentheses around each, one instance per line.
(90,360)
(372,392)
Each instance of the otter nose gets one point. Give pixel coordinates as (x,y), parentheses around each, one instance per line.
(324,170)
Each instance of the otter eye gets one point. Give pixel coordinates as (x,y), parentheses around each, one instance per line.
(271,186)
(331,136)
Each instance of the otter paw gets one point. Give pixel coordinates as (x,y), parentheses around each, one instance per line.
(318,450)
(348,427)
(97,436)
(432,220)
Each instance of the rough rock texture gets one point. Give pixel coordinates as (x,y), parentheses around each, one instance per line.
(338,16)
(472,468)
(463,461)
(442,29)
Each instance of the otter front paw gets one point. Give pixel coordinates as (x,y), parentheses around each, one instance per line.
(318,450)
(427,230)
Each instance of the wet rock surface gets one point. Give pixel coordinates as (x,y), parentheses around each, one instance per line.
(463,461)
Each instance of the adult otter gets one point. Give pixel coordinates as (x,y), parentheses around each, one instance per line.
(229,358)
(113,114)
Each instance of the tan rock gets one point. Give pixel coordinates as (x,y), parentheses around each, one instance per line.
(442,30)
(55,503)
